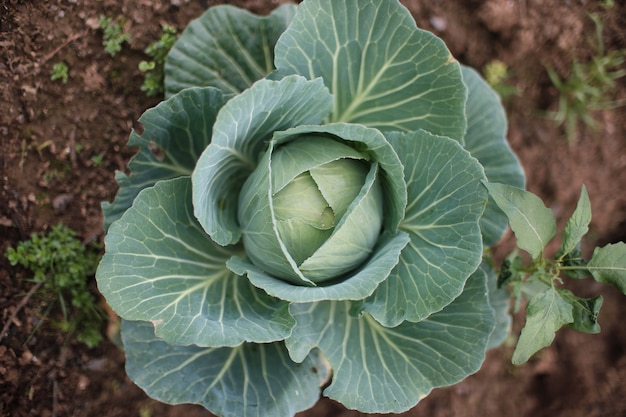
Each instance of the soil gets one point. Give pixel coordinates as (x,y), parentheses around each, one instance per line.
(61,143)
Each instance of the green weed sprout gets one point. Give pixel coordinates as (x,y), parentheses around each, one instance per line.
(608,4)
(60,72)
(586,88)
(62,265)
(497,74)
(153,69)
(113,35)
(97,160)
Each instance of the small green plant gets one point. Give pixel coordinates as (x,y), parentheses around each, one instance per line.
(588,85)
(497,75)
(607,4)
(61,267)
(60,72)
(97,160)
(153,69)
(550,306)
(113,35)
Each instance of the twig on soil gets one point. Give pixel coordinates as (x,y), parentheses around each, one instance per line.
(55,395)
(73,146)
(63,45)
(522,9)
(19,307)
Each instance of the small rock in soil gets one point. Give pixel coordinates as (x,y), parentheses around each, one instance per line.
(61,202)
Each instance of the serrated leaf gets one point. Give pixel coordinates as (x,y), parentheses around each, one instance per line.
(445,202)
(227,48)
(486,140)
(175,133)
(251,380)
(383,71)
(577,226)
(160,266)
(546,313)
(531,221)
(240,135)
(608,265)
(382,369)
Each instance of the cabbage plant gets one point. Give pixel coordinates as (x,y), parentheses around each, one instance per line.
(307,214)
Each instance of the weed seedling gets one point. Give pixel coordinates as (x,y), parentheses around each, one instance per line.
(61,266)
(586,88)
(497,75)
(153,69)
(113,35)
(60,72)
(97,160)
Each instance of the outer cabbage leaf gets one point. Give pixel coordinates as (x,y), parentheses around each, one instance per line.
(227,48)
(486,140)
(175,133)
(240,135)
(445,201)
(382,369)
(499,301)
(383,71)
(161,267)
(251,380)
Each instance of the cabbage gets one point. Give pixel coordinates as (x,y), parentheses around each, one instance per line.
(307,208)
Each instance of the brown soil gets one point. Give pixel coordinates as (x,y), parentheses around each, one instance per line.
(51,131)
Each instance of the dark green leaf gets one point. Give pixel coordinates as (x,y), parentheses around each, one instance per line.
(585,312)
(510,271)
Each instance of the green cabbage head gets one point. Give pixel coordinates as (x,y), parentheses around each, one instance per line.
(324,201)
(307,209)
